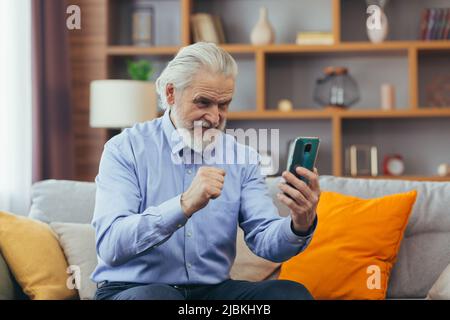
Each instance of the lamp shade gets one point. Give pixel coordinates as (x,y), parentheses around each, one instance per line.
(121,103)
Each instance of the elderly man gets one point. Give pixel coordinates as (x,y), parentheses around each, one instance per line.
(166,226)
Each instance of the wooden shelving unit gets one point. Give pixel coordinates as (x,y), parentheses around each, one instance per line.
(411,50)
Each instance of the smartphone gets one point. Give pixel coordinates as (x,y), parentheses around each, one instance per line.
(303,153)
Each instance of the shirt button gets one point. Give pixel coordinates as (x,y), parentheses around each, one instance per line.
(189,265)
(189,171)
(189,234)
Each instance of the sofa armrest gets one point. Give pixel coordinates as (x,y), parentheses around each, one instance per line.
(6,281)
(274,275)
(9,288)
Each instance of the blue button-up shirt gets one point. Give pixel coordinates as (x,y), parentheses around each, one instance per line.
(142,234)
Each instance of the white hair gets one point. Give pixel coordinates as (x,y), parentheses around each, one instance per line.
(191,59)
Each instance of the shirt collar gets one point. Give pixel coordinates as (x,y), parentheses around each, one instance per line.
(176,142)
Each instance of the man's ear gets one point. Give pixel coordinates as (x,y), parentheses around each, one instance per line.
(170,94)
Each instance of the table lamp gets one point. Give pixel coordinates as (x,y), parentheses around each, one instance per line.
(117,104)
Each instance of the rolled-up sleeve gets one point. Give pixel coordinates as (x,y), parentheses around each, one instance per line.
(266,233)
(122,232)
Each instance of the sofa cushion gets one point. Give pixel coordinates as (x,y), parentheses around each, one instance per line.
(9,288)
(354,246)
(78,243)
(441,289)
(424,252)
(247,265)
(33,254)
(62,201)
(6,281)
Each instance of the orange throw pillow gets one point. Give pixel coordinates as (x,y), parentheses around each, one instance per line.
(354,248)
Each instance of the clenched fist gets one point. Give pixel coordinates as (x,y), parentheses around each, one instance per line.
(207,184)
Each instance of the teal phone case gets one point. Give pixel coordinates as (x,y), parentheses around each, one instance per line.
(303,154)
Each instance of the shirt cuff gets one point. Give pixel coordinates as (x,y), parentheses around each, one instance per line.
(308,232)
(172,215)
(291,237)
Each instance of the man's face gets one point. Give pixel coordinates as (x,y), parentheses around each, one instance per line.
(206,99)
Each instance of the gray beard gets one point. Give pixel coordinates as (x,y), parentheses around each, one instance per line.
(193,136)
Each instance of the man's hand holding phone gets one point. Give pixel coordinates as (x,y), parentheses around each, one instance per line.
(303,198)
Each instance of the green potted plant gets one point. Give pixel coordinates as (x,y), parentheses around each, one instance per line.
(120,103)
(140,70)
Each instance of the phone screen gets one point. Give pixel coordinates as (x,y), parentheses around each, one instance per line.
(303,152)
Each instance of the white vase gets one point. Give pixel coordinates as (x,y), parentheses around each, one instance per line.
(377,34)
(262,32)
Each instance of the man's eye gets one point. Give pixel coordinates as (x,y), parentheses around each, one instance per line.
(202,103)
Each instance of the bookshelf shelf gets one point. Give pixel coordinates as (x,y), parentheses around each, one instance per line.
(268,115)
(359,46)
(407,113)
(340,114)
(433,45)
(135,51)
(293,48)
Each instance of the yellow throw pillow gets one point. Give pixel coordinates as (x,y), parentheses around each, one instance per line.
(33,254)
(354,247)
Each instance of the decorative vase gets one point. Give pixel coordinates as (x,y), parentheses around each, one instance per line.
(336,89)
(387,96)
(444,170)
(377,23)
(262,32)
(285,105)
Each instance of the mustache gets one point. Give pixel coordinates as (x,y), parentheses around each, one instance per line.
(204,124)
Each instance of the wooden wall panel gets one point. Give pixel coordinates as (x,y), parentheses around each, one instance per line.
(88,63)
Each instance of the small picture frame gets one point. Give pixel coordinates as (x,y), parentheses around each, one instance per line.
(361,160)
(142,23)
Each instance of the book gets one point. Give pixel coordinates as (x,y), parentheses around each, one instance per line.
(207,27)
(435,24)
(441,14)
(442,23)
(203,28)
(219,28)
(314,37)
(424,24)
(431,22)
(446,35)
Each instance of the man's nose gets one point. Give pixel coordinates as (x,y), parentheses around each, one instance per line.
(213,115)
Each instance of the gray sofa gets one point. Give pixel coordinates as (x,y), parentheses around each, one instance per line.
(424,252)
